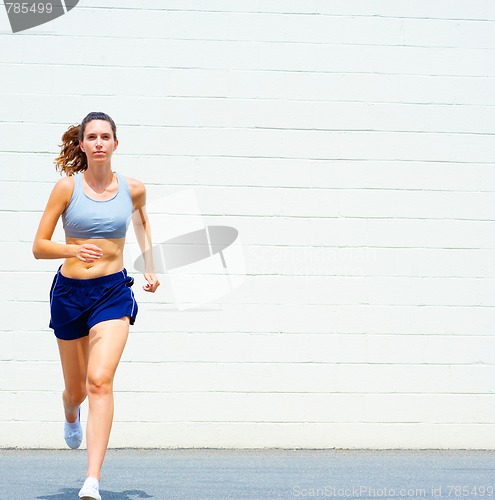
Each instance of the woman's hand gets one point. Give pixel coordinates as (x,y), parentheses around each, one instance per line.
(152,282)
(88,252)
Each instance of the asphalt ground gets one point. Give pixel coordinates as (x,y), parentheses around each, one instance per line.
(210,474)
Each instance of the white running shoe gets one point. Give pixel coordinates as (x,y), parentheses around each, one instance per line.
(73,433)
(90,489)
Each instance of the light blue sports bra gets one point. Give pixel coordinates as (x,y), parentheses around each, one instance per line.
(88,218)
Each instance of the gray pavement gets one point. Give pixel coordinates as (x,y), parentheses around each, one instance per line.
(207,474)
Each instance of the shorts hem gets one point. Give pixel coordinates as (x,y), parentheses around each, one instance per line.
(101,320)
(67,337)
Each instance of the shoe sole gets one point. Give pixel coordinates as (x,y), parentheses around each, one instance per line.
(88,497)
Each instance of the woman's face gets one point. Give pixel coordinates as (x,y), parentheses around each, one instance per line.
(98,142)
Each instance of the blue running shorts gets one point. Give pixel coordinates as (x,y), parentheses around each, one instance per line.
(78,305)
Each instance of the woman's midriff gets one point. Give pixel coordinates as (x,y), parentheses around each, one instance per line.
(111,261)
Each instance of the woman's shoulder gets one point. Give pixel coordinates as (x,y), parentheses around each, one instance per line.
(64,186)
(137,191)
(136,187)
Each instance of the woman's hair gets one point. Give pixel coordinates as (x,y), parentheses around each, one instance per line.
(71,158)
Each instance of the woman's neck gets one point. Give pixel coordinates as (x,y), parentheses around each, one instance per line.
(99,178)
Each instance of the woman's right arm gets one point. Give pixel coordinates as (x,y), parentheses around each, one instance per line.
(43,246)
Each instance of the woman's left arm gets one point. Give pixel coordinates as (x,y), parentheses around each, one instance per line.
(142,228)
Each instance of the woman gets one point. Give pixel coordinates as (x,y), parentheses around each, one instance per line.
(91,302)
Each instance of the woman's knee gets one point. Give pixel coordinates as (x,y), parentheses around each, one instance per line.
(99,382)
(75,393)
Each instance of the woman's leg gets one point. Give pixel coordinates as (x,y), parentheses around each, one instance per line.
(106,344)
(74,358)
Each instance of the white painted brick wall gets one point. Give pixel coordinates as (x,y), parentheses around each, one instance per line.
(351,144)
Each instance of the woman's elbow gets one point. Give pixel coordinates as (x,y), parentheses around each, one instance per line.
(36,250)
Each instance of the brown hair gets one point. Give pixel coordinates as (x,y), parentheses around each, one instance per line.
(71,158)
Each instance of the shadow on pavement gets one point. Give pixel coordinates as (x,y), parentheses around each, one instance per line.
(71,493)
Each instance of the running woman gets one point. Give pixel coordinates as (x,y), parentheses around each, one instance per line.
(91,300)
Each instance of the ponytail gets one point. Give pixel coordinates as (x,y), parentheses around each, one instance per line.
(71,159)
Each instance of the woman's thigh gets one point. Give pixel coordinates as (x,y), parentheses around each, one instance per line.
(106,345)
(74,358)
